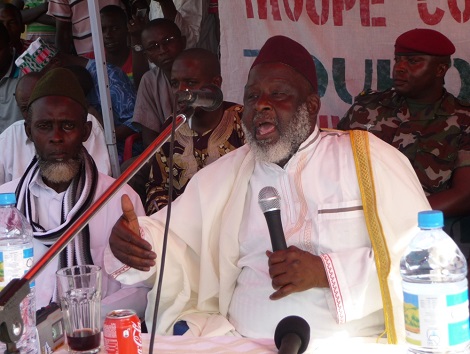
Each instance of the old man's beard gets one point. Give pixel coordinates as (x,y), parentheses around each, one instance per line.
(290,139)
(60,171)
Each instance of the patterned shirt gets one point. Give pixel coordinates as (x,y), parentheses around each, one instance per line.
(123,96)
(435,138)
(191,153)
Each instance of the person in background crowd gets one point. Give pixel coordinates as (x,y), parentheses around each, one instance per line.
(9,76)
(61,182)
(38,23)
(123,98)
(197,20)
(72,21)
(10,16)
(162,42)
(422,120)
(116,36)
(211,134)
(341,277)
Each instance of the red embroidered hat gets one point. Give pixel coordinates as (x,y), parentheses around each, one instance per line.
(424,41)
(280,49)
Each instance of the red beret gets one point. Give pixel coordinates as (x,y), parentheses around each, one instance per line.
(424,41)
(280,49)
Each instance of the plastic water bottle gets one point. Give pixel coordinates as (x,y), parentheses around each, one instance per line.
(16,258)
(435,289)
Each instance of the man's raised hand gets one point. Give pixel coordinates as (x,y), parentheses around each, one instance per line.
(125,241)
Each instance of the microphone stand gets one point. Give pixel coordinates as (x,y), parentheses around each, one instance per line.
(11,324)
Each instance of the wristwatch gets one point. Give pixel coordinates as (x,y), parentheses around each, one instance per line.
(138,47)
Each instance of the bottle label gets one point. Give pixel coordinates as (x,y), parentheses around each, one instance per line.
(15,264)
(436,314)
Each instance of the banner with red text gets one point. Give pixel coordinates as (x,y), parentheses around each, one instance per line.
(352,42)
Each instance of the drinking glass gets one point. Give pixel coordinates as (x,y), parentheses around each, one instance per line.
(79,289)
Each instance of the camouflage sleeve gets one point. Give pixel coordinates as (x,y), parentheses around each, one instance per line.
(463,157)
(345,122)
(357,115)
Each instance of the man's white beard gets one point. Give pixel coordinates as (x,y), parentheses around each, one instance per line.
(60,172)
(289,141)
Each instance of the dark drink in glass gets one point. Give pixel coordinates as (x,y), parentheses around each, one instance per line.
(84,340)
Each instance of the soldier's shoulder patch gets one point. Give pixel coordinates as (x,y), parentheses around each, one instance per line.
(366,93)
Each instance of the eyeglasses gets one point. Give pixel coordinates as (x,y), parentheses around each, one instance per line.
(158,45)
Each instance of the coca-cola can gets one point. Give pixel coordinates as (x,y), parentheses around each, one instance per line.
(122,332)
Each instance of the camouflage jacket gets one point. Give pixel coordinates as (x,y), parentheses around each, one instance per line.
(436,139)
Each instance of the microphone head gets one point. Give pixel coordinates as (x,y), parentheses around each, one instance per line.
(208,98)
(217,97)
(293,325)
(269,199)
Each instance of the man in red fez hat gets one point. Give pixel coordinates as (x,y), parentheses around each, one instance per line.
(422,120)
(224,276)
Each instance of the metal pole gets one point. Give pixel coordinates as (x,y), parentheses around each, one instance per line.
(103,84)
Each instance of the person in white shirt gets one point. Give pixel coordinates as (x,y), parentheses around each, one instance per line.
(61,182)
(14,138)
(340,271)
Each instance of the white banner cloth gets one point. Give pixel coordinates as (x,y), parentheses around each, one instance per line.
(352,42)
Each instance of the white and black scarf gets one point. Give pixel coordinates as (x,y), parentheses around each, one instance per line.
(77,198)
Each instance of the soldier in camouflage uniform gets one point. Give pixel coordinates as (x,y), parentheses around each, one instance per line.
(422,120)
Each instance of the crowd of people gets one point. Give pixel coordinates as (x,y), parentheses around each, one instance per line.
(349,197)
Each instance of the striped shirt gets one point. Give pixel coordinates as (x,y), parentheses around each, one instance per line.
(76,12)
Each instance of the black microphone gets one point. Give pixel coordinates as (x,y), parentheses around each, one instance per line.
(270,203)
(292,335)
(209,97)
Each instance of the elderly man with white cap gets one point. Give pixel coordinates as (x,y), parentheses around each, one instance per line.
(340,271)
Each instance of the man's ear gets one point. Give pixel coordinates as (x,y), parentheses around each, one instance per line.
(313,104)
(217,81)
(87,130)
(442,69)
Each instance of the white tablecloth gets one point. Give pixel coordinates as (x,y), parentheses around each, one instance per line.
(226,345)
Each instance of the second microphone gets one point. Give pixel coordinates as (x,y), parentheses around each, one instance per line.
(270,203)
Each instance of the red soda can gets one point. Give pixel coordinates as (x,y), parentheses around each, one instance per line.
(122,332)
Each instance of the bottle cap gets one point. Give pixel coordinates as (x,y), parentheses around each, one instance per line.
(430,219)
(7,198)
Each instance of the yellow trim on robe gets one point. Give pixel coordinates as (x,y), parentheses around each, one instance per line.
(361,152)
